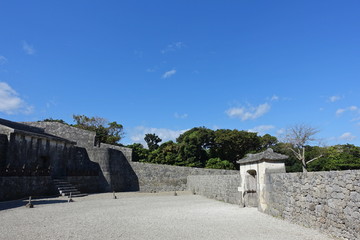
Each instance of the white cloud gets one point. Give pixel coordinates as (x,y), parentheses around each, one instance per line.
(180,116)
(347,137)
(274,98)
(249,112)
(169,73)
(165,134)
(334,98)
(3,60)
(29,49)
(353,108)
(340,111)
(262,129)
(173,47)
(10,102)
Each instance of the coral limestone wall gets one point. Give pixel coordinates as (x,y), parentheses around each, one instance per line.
(155,177)
(329,201)
(219,187)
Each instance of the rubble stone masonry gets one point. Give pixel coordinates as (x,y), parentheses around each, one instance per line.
(328,201)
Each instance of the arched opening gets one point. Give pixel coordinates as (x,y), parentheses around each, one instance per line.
(250,194)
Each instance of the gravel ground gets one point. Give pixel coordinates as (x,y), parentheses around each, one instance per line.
(143,216)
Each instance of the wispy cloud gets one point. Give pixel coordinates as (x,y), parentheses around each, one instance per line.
(29,49)
(246,113)
(274,98)
(173,47)
(347,137)
(334,98)
(340,111)
(169,73)
(138,134)
(180,116)
(3,60)
(10,102)
(262,129)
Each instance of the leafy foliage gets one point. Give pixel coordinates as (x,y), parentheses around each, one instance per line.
(217,163)
(55,120)
(139,153)
(152,141)
(203,147)
(338,157)
(111,134)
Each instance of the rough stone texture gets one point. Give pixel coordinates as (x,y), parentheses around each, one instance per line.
(329,201)
(114,172)
(3,148)
(220,187)
(23,187)
(127,152)
(82,137)
(157,178)
(28,153)
(86,184)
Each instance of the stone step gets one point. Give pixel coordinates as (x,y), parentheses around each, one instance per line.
(65,188)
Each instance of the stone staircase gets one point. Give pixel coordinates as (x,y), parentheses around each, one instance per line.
(65,188)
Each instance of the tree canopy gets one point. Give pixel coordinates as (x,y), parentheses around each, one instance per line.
(106,132)
(152,141)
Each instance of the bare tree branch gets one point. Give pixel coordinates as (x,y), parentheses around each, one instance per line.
(315,158)
(298,136)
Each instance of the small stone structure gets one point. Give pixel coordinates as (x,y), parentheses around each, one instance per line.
(252,171)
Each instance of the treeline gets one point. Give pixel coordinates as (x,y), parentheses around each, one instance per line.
(221,149)
(203,147)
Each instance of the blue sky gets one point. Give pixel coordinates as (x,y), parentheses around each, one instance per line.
(168,66)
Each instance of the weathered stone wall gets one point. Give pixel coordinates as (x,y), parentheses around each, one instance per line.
(157,178)
(22,187)
(34,155)
(219,187)
(329,201)
(3,150)
(127,152)
(86,184)
(83,138)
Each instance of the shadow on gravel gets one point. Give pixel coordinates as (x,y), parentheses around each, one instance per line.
(22,203)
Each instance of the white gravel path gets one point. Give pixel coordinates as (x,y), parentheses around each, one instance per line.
(144,216)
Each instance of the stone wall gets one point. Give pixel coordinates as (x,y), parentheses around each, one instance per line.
(86,184)
(83,138)
(329,201)
(219,187)
(126,151)
(156,177)
(3,150)
(34,155)
(22,187)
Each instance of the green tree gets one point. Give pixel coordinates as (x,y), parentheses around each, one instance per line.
(165,154)
(152,141)
(106,132)
(234,144)
(217,163)
(338,157)
(194,145)
(54,120)
(267,141)
(139,153)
